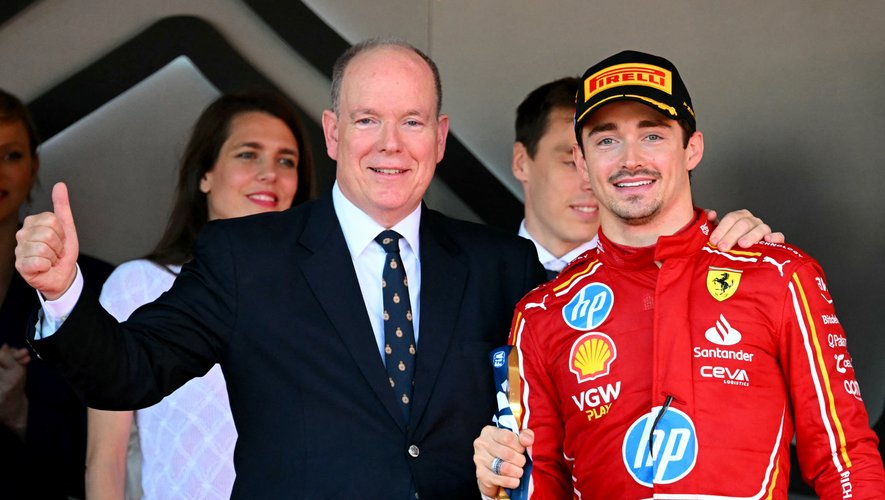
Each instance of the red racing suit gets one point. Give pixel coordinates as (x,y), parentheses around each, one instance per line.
(689,380)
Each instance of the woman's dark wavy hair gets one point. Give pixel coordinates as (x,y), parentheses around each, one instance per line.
(191,211)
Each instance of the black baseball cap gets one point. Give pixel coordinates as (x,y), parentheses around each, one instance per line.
(634,76)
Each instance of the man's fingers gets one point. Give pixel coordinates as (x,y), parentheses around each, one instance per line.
(775,237)
(41,235)
(38,255)
(47,247)
(740,228)
(526,437)
(726,225)
(489,482)
(711,215)
(61,205)
(492,444)
(754,235)
(511,471)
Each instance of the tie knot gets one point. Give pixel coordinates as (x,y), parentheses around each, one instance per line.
(389,240)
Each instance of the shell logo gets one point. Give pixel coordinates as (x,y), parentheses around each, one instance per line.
(592,356)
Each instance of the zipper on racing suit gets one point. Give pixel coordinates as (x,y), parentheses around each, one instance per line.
(651,433)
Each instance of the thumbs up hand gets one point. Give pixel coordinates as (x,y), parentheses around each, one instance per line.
(47,248)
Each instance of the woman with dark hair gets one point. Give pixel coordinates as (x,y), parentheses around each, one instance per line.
(247,154)
(42,422)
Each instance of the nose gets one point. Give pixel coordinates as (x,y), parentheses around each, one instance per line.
(266,171)
(632,157)
(390,140)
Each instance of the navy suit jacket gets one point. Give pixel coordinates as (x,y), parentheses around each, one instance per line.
(275,299)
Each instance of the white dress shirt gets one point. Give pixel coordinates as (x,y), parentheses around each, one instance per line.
(550,261)
(368,258)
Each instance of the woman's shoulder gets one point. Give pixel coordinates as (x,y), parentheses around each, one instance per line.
(138,280)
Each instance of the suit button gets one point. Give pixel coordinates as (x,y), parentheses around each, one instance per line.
(414,451)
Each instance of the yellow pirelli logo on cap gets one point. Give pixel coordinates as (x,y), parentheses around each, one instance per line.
(628,74)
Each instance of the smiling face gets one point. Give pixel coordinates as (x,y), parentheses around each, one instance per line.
(638,169)
(256,169)
(561,212)
(18,169)
(386,137)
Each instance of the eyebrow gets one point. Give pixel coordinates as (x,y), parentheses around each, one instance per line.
(603,127)
(607,127)
(362,111)
(654,123)
(370,111)
(15,143)
(256,145)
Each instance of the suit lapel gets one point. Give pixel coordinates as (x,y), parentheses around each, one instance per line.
(443,277)
(330,274)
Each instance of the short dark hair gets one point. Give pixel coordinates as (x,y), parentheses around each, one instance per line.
(190,211)
(533,114)
(13,110)
(687,132)
(376,43)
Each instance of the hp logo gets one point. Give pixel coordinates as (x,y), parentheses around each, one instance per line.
(674,447)
(589,307)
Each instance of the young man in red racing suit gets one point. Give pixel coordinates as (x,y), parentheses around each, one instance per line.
(660,367)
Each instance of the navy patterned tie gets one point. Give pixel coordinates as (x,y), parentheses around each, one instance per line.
(399,336)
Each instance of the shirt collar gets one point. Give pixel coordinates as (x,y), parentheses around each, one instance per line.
(550,261)
(583,247)
(360,230)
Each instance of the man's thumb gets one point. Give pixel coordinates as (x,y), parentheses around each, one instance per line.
(61,205)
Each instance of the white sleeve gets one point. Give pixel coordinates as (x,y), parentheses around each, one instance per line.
(54,312)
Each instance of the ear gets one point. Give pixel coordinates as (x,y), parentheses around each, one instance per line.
(580,164)
(330,133)
(695,150)
(206,183)
(442,132)
(520,163)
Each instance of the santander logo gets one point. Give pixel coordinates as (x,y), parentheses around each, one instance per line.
(723,333)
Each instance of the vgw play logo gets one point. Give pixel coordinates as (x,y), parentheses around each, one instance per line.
(672,452)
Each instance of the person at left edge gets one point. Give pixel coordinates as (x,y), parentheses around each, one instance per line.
(290,306)
(42,421)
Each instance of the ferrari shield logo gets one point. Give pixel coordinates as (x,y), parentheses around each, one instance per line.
(722,282)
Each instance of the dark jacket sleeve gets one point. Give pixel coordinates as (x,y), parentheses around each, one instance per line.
(164,344)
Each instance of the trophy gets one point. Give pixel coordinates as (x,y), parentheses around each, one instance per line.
(505,364)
